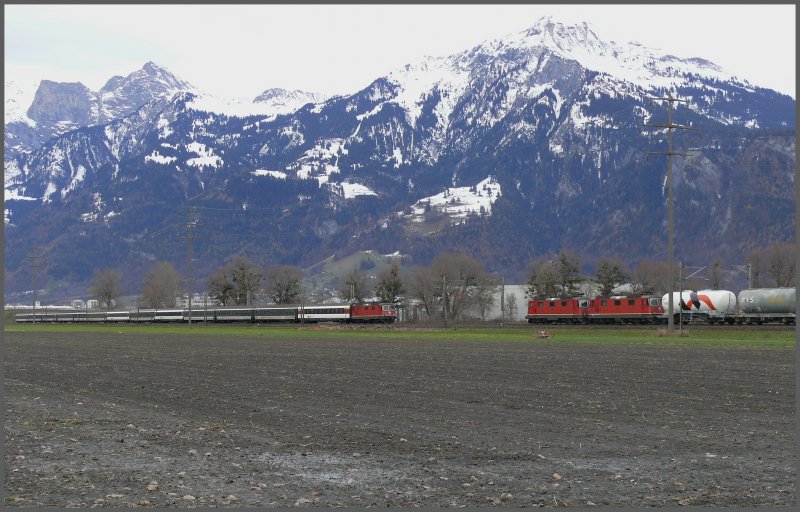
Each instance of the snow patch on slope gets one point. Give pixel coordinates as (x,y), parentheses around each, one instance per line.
(416,82)
(158,158)
(349,190)
(18,98)
(265,105)
(459,202)
(274,174)
(205,156)
(320,161)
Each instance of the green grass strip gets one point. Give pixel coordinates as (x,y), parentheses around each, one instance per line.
(651,335)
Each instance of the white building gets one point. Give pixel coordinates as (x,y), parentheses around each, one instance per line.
(199,301)
(514,293)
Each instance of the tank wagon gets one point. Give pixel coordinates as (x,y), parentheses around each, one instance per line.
(759,305)
(713,306)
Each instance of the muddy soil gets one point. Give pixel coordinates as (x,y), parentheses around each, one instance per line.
(125,420)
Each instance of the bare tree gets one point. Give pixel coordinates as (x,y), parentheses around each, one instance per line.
(543,280)
(106,286)
(652,277)
(460,275)
(427,287)
(757,263)
(390,288)
(246,278)
(283,283)
(161,285)
(355,286)
(780,258)
(611,272)
(237,282)
(511,306)
(220,288)
(484,294)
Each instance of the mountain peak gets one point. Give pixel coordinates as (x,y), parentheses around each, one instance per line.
(157,76)
(278,94)
(559,34)
(152,67)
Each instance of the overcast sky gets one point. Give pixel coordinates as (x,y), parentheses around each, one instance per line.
(239,51)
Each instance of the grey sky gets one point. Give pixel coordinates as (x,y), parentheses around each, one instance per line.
(238,51)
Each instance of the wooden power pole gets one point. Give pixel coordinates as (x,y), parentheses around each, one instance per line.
(670,126)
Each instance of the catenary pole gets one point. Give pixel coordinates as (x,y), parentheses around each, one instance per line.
(670,126)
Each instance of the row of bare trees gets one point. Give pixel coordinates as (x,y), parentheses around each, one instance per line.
(452,286)
(160,287)
(772,265)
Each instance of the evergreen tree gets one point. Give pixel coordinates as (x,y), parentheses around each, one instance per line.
(610,273)
(389,287)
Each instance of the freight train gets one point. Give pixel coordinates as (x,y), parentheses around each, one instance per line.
(351,313)
(759,306)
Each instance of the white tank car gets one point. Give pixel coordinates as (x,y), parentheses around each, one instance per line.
(711,302)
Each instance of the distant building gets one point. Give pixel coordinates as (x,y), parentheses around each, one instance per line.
(198,301)
(515,292)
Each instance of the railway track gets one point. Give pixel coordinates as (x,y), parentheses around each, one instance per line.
(525,325)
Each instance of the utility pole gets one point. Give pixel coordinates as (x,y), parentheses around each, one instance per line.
(670,222)
(444,299)
(190,225)
(34,266)
(502,300)
(680,297)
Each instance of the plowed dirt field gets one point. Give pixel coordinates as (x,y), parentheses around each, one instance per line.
(99,419)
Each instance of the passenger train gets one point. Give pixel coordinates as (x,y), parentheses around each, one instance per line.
(352,313)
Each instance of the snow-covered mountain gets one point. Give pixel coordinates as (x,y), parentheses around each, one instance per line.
(509,150)
(59,107)
(268,105)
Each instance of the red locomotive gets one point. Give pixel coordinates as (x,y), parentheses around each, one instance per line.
(600,310)
(372,313)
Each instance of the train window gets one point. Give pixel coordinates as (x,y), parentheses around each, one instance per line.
(563,303)
(541,303)
(653,302)
(631,302)
(552,304)
(603,302)
(617,302)
(583,303)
